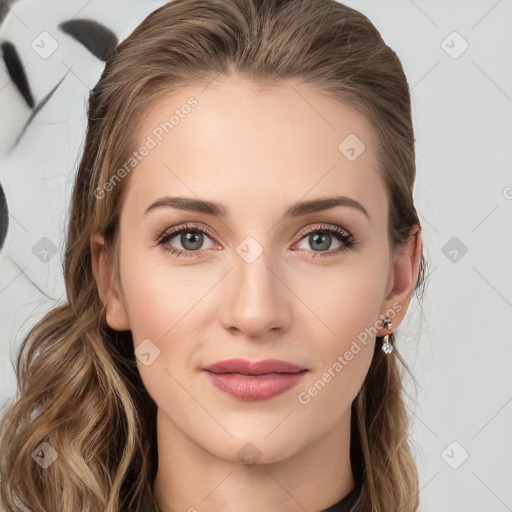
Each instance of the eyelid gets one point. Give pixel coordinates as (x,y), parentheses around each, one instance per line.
(323,227)
(184,227)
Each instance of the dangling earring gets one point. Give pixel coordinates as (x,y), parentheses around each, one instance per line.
(386,345)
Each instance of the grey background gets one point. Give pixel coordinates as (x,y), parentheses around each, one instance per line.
(457,343)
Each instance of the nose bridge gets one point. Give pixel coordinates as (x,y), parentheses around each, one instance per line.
(256,303)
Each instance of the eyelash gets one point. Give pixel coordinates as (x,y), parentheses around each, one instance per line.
(340,234)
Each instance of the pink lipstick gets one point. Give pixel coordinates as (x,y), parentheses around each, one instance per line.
(254,380)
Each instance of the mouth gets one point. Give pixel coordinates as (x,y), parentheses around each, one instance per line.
(254,380)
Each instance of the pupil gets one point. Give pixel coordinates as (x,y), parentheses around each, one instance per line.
(321,240)
(191,240)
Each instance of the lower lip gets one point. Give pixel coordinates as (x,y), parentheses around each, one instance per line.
(255,387)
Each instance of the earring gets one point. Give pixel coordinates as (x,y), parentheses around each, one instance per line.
(386,345)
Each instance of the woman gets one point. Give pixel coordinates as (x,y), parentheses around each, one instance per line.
(243,243)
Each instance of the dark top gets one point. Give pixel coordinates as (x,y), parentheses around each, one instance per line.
(346,504)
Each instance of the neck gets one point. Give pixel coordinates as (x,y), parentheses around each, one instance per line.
(192,479)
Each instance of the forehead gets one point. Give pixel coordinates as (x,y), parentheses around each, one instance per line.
(254,147)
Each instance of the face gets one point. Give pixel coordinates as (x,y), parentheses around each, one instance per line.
(256,278)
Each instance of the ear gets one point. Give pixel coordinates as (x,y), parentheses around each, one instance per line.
(108,285)
(403,279)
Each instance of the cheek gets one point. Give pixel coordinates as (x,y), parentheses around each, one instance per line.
(346,299)
(160,302)
(168,305)
(348,308)
(157,295)
(344,355)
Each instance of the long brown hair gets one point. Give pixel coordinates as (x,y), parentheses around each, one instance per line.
(78,385)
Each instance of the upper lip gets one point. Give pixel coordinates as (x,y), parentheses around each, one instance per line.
(245,367)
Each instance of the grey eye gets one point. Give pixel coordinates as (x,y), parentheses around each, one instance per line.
(319,241)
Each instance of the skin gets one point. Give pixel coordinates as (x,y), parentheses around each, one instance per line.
(256,151)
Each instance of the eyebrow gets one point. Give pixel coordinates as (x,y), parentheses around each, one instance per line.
(218,210)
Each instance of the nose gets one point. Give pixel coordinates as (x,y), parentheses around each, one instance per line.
(257,299)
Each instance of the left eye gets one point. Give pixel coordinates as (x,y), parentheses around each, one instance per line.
(321,239)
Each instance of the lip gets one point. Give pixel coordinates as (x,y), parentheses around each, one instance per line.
(245,367)
(254,380)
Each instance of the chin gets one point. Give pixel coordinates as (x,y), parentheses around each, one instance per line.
(253,450)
